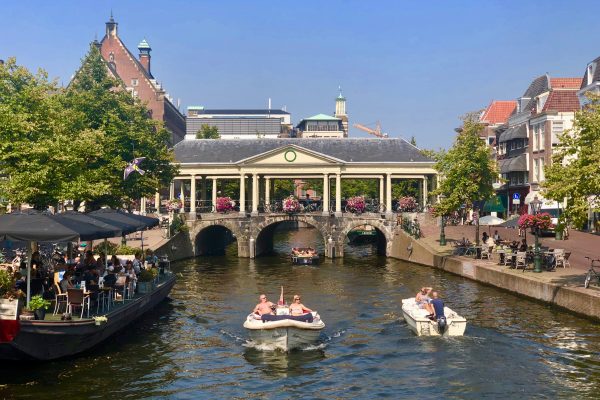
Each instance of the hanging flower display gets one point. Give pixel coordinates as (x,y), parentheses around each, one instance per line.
(542,221)
(407,204)
(291,205)
(173,205)
(224,204)
(356,204)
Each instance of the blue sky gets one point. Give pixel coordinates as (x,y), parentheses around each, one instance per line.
(414,66)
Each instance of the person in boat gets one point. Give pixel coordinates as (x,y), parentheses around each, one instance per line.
(422,299)
(264,306)
(137,262)
(297,308)
(438,306)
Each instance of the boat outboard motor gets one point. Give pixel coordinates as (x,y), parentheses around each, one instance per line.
(442,324)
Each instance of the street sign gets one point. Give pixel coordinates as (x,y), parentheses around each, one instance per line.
(516,196)
(516,201)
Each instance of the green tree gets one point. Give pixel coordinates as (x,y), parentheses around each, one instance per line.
(32,126)
(467,171)
(208,132)
(283,188)
(108,129)
(575,170)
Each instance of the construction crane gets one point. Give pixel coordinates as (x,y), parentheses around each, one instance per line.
(375,132)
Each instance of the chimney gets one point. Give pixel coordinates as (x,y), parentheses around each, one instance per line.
(111,27)
(145,49)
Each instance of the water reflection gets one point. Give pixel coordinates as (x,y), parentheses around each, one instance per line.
(278,364)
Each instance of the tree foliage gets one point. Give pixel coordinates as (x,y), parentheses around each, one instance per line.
(467,170)
(575,170)
(74,144)
(208,132)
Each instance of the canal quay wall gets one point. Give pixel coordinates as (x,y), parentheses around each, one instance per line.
(179,247)
(563,288)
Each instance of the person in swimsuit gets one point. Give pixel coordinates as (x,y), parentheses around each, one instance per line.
(422,299)
(264,307)
(297,308)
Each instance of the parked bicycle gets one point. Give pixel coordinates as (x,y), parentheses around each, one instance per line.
(592,274)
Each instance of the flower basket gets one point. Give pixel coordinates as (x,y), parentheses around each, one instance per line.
(291,205)
(224,204)
(356,204)
(407,204)
(173,205)
(542,221)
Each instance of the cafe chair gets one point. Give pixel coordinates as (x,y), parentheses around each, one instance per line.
(77,299)
(59,298)
(559,258)
(521,260)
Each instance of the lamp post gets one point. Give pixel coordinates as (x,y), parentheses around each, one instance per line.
(537,259)
(443,225)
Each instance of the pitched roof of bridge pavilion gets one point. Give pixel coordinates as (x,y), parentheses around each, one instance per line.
(221,151)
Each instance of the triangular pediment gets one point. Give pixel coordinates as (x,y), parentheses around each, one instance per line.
(291,155)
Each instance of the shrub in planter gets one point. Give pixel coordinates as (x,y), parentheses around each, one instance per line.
(146,278)
(38,305)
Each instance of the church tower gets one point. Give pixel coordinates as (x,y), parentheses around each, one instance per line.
(340,111)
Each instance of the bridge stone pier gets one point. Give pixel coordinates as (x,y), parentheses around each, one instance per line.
(254,233)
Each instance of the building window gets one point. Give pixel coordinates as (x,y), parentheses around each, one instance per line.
(535,137)
(557,130)
(542,175)
(542,136)
(134,82)
(536,170)
(111,57)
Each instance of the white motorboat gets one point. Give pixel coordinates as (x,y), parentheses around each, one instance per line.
(284,332)
(417,320)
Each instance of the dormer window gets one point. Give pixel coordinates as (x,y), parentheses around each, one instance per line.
(111,57)
(134,82)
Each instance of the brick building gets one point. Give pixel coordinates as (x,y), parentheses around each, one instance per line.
(137,77)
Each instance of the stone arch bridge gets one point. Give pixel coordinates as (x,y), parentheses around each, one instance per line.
(254,233)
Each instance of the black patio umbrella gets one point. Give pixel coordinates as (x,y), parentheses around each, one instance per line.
(511,223)
(89,228)
(119,219)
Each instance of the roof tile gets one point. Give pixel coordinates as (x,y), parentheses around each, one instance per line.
(498,111)
(562,101)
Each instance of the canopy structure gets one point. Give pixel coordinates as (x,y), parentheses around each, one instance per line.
(89,228)
(35,227)
(511,223)
(128,223)
(494,205)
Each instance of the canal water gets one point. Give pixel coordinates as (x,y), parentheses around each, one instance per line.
(194,346)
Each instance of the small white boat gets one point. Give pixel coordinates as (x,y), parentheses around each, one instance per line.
(417,320)
(284,334)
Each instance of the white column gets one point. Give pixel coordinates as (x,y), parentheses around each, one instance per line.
(242,193)
(325,197)
(143,206)
(182,195)
(338,194)
(214,193)
(193,195)
(388,193)
(381,191)
(255,194)
(172,190)
(425,192)
(267,190)
(157,202)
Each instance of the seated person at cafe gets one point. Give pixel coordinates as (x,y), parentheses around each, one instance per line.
(101,263)
(20,282)
(490,242)
(137,262)
(89,261)
(90,277)
(36,260)
(484,237)
(523,246)
(66,282)
(110,279)
(497,237)
(514,245)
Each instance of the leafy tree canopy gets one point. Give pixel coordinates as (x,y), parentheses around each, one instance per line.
(208,132)
(575,170)
(467,170)
(74,144)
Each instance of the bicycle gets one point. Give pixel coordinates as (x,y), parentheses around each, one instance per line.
(591,274)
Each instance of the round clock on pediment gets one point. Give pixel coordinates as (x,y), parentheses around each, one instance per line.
(290,156)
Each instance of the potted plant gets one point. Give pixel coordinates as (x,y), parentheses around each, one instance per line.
(356,204)
(407,204)
(38,305)
(224,204)
(100,319)
(291,205)
(145,282)
(10,299)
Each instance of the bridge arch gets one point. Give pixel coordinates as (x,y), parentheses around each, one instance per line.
(212,237)
(385,234)
(264,231)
